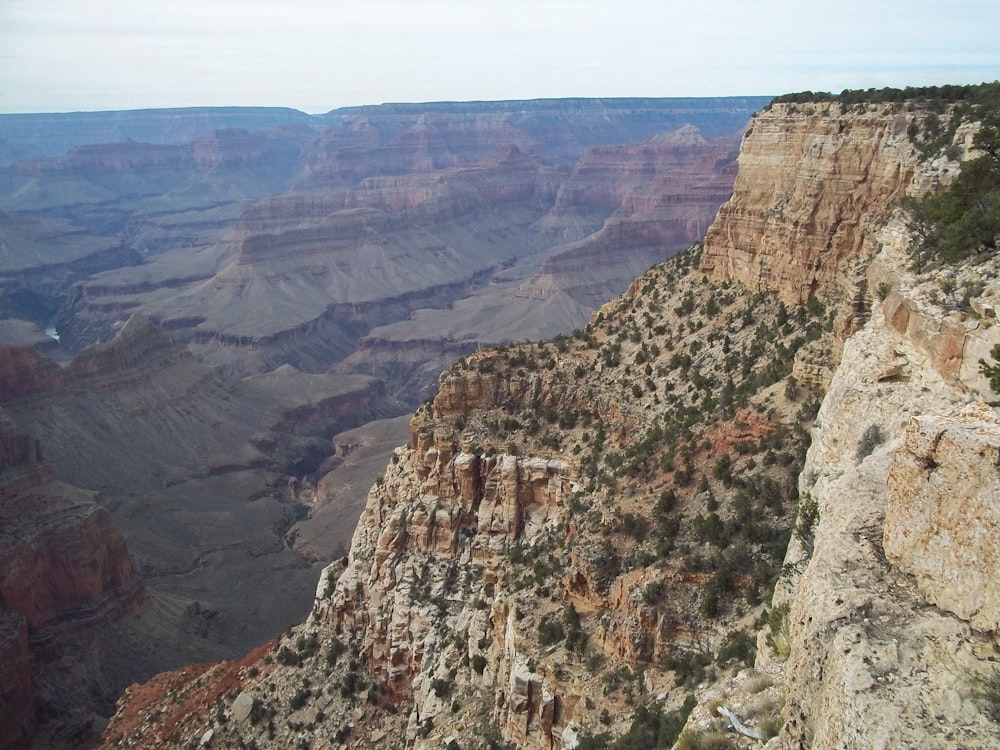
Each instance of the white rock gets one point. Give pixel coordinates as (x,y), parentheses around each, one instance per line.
(242,706)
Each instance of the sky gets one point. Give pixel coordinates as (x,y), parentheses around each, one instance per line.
(316,55)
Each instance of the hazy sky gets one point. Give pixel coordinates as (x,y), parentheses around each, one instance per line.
(314,55)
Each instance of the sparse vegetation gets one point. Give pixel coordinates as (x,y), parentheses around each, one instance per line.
(651,728)
(986,691)
(964,219)
(871,438)
(992,371)
(679,470)
(778,625)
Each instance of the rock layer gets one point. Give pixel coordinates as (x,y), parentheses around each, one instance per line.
(814,182)
(869,662)
(17,702)
(942,514)
(65,574)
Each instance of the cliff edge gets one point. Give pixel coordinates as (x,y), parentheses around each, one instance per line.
(578,545)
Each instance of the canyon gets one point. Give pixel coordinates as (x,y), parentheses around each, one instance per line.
(216,323)
(578,543)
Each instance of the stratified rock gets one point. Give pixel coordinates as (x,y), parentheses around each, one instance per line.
(814,182)
(65,575)
(869,664)
(942,516)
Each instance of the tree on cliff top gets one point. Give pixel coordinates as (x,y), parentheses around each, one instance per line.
(963,220)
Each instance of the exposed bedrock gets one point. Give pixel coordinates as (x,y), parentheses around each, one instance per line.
(814,183)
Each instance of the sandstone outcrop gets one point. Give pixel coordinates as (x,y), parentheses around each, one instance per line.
(814,183)
(943,511)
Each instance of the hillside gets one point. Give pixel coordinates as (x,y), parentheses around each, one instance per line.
(579,543)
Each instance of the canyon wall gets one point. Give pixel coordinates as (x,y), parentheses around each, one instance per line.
(579,529)
(891,622)
(814,183)
(65,574)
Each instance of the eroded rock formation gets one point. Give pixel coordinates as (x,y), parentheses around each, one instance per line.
(815,181)
(941,515)
(544,491)
(65,574)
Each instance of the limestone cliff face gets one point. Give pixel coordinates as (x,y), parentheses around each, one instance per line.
(891,616)
(943,511)
(814,182)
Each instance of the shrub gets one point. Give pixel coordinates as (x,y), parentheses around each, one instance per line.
(986,691)
(478,663)
(441,687)
(806,521)
(992,372)
(777,637)
(700,739)
(288,658)
(549,632)
(769,726)
(299,699)
(871,438)
(965,218)
(737,646)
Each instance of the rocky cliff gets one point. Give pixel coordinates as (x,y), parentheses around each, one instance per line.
(197,472)
(888,624)
(66,574)
(815,182)
(18,715)
(567,530)
(580,540)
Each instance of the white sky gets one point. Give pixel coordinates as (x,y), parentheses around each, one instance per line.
(314,55)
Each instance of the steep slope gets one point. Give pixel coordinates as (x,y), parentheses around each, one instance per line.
(873,648)
(209,476)
(577,528)
(561,526)
(66,579)
(208,459)
(195,471)
(895,499)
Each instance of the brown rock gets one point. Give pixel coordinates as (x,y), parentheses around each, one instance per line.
(942,517)
(813,182)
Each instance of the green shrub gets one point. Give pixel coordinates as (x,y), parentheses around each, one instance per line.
(549,632)
(777,637)
(737,646)
(441,687)
(992,371)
